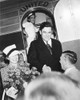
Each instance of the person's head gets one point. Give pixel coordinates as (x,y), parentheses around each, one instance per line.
(11,53)
(68,58)
(53,86)
(46,31)
(31,18)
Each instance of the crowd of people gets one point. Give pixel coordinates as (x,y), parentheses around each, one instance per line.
(45,73)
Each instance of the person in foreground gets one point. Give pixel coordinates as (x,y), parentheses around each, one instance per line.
(68,60)
(52,86)
(44,53)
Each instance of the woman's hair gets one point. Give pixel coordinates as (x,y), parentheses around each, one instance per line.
(6,61)
(3,58)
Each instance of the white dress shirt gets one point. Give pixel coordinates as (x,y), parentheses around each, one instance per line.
(49,42)
(69,69)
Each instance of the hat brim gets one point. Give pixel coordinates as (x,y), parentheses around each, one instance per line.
(14,53)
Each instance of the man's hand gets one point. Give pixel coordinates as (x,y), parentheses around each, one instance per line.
(46,69)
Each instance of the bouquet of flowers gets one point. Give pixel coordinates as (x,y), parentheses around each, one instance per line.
(19,76)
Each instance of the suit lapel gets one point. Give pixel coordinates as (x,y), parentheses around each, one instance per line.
(44,47)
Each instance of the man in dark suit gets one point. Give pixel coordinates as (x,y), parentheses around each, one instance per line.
(44,53)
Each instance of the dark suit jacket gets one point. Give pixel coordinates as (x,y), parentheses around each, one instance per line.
(39,54)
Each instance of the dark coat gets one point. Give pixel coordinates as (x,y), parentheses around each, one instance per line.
(39,54)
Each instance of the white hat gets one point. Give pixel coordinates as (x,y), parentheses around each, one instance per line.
(10,50)
(31,14)
(15,52)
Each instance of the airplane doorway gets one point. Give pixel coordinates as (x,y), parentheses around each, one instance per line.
(42,14)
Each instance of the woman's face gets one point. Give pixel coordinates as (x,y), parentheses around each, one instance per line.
(14,58)
(32,19)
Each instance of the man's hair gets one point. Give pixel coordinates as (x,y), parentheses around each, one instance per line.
(72,56)
(53,86)
(46,24)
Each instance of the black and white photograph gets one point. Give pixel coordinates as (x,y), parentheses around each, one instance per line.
(39,49)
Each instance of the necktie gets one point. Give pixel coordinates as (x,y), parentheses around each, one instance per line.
(49,48)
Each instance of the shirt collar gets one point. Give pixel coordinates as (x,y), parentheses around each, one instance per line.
(69,69)
(49,42)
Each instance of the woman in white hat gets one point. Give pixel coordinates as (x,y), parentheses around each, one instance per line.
(12,55)
(11,74)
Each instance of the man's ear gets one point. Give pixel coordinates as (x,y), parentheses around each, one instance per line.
(65,57)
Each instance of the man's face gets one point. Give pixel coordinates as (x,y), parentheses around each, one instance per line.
(62,61)
(46,33)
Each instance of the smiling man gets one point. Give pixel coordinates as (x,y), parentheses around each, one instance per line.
(44,53)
